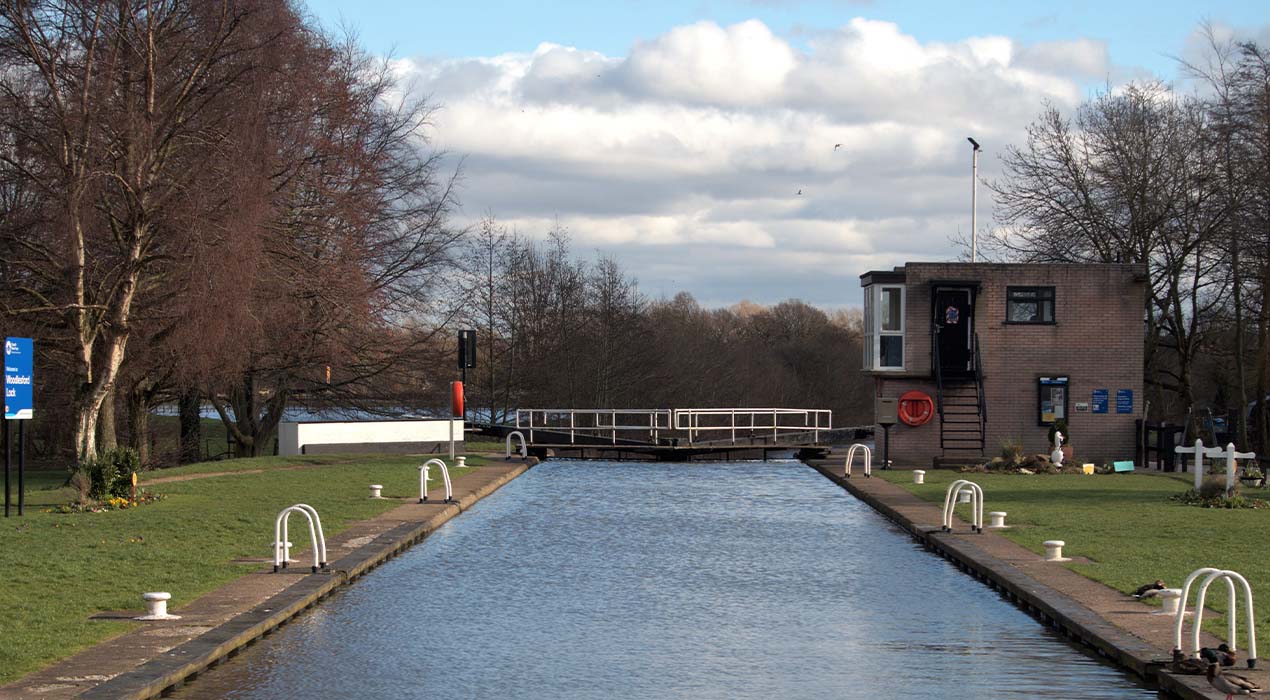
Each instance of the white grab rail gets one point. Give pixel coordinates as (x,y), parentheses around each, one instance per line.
(281,543)
(524,449)
(423,480)
(976,504)
(1231,578)
(868,459)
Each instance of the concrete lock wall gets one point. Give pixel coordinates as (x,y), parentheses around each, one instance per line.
(366,436)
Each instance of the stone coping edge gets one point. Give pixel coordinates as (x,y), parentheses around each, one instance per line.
(1052,608)
(184,662)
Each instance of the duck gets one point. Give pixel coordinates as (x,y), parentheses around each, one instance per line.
(1229,683)
(1221,655)
(1149,590)
(1190,666)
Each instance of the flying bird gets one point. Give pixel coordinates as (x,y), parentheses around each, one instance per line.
(1229,683)
(836,146)
(800,192)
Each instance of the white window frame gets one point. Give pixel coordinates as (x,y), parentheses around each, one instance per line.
(873,331)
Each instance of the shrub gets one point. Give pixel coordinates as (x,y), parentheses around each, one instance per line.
(1215,487)
(1212,494)
(109,474)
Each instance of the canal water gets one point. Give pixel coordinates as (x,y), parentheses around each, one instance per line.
(646,580)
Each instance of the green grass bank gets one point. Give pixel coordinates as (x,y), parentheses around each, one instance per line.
(1127,528)
(59,569)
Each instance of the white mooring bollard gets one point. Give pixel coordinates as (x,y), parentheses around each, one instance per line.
(919,476)
(157,607)
(1054,550)
(996,519)
(286,551)
(462,461)
(1170,599)
(963,496)
(375,490)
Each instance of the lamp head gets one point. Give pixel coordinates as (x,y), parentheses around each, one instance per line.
(973,142)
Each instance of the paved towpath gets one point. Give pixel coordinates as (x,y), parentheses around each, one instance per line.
(1116,625)
(156,655)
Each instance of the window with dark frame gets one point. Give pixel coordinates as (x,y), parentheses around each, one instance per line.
(1029,305)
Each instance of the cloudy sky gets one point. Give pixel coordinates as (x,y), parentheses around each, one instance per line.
(697,142)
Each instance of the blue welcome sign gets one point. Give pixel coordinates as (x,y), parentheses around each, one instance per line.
(1098,401)
(19,370)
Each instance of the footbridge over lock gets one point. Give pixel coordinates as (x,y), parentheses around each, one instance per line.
(675,434)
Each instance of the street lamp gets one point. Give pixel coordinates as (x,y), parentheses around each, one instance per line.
(974,201)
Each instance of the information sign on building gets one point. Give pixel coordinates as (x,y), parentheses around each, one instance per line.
(1124,400)
(1098,401)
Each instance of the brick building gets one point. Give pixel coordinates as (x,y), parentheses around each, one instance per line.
(1004,350)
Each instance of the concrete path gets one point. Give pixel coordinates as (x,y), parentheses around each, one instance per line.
(158,655)
(1113,624)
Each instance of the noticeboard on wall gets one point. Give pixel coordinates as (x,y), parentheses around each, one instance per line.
(1051,402)
(1124,400)
(1098,401)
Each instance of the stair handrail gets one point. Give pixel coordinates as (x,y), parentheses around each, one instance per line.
(983,403)
(939,377)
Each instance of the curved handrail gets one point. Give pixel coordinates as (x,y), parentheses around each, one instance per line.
(423,480)
(868,459)
(321,537)
(280,536)
(524,449)
(1230,577)
(976,504)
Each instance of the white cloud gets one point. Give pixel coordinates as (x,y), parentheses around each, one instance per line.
(685,158)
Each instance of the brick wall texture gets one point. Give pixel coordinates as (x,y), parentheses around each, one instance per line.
(1096,341)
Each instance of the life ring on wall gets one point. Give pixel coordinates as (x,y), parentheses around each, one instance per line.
(915,408)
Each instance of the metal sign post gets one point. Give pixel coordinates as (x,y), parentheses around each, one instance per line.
(19,373)
(887,415)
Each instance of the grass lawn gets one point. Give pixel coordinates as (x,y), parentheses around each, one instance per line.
(1127,527)
(60,569)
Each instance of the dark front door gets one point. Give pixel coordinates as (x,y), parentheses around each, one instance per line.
(954,329)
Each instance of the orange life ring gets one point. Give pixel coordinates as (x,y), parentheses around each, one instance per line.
(456,399)
(915,408)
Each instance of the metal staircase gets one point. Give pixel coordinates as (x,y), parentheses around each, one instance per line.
(963,412)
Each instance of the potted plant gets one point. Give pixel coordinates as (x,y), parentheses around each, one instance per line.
(1060,426)
(1252,476)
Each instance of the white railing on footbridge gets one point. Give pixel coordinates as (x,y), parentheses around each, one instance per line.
(596,422)
(750,423)
(698,425)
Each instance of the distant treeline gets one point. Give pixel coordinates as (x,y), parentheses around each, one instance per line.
(558,332)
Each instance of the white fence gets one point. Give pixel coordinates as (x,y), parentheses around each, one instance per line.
(652,424)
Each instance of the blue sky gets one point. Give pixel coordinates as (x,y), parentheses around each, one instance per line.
(1144,34)
(693,141)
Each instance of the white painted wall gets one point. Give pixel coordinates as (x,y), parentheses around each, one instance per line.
(292,437)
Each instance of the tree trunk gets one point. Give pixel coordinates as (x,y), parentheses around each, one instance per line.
(107,436)
(190,403)
(139,421)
